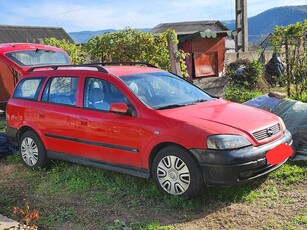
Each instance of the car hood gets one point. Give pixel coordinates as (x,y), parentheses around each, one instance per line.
(224,117)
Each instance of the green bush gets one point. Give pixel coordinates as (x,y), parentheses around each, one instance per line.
(240,94)
(304,97)
(245,74)
(130,45)
(74,51)
(245,81)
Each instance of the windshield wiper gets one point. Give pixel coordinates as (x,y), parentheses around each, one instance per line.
(181,105)
(171,106)
(199,101)
(46,51)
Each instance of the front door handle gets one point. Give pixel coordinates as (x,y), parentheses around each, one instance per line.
(83,121)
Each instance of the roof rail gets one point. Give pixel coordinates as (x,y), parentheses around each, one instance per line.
(55,67)
(123,63)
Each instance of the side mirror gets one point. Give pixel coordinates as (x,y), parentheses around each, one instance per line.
(119,108)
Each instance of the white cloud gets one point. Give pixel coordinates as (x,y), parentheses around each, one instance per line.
(95,15)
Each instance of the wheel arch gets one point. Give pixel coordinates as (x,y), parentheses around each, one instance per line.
(22,130)
(163,145)
(26,128)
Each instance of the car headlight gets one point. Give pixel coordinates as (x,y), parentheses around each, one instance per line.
(227,142)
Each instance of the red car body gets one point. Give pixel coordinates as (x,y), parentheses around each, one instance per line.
(130,144)
(11,70)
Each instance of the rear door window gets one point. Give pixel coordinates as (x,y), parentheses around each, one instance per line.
(61,90)
(28,88)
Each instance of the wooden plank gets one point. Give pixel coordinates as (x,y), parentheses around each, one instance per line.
(173,54)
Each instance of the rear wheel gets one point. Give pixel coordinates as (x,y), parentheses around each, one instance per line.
(176,172)
(32,150)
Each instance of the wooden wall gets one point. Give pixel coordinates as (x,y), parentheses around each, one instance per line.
(199,46)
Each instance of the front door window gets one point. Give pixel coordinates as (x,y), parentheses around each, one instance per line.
(99,94)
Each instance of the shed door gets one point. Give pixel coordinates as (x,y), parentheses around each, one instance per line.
(205,64)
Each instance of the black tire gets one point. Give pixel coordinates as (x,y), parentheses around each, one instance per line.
(175,172)
(32,150)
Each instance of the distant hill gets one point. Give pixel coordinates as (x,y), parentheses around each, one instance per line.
(264,23)
(258,26)
(84,36)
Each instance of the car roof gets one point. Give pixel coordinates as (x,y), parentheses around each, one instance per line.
(11,47)
(129,70)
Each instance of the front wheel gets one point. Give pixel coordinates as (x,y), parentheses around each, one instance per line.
(176,172)
(32,150)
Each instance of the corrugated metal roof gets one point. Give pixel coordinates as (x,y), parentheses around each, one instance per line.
(31,34)
(185,28)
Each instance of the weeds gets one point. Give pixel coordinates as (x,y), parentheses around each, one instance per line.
(300,219)
(121,225)
(240,95)
(12,159)
(2,125)
(60,215)
(290,173)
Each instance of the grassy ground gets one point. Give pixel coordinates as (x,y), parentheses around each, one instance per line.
(2,124)
(71,196)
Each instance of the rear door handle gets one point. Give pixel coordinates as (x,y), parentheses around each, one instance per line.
(41,113)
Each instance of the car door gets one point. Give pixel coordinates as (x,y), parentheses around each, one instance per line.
(108,137)
(55,112)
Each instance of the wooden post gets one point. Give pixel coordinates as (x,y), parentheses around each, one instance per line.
(173,51)
(287,67)
(241,26)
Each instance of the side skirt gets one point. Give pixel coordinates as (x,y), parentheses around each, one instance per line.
(99,164)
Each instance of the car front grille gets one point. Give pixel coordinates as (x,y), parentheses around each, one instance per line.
(267,133)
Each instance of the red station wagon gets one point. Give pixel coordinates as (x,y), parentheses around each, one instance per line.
(142,121)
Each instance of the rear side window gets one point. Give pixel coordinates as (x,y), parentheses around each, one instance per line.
(28,88)
(38,57)
(61,90)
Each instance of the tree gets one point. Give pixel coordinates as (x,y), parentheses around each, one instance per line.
(291,40)
(129,45)
(133,46)
(75,52)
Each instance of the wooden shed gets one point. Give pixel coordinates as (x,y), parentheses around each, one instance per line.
(31,34)
(204,41)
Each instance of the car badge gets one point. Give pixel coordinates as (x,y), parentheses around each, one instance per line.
(269,132)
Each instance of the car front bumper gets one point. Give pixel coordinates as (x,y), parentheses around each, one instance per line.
(230,167)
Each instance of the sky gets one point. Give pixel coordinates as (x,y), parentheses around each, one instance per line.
(85,15)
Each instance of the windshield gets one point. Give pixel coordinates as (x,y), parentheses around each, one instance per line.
(163,90)
(38,57)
